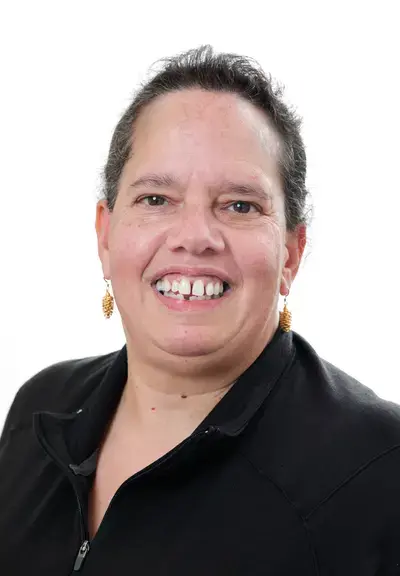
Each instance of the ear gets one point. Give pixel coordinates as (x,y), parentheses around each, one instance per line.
(294,247)
(103,216)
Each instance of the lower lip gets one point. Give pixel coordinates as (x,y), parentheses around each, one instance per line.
(191,305)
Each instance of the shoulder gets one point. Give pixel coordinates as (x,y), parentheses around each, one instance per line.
(60,387)
(341,397)
(363,421)
(327,427)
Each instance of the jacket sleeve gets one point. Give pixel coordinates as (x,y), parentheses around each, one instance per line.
(356,531)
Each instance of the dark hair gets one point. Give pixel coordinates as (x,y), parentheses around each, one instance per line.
(205,69)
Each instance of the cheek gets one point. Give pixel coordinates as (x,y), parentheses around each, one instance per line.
(260,256)
(131,248)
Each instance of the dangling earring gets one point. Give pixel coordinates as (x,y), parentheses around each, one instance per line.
(285,318)
(108,301)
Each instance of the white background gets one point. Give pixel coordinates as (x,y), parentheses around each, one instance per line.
(69,69)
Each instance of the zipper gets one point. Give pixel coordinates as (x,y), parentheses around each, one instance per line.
(85,546)
(82,553)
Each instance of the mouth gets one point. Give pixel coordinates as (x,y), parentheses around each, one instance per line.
(191,293)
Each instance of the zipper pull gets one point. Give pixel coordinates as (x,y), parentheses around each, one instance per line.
(83,551)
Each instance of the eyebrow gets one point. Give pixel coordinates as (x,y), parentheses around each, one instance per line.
(167,181)
(154,181)
(245,189)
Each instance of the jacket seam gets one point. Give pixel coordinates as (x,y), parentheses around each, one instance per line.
(352,476)
(302,519)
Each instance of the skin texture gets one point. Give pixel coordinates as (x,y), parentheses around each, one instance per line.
(200,140)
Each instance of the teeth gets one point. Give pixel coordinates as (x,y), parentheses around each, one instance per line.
(198,288)
(210,289)
(172,295)
(184,287)
(200,297)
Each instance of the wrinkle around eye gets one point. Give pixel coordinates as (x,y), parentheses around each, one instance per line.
(158,196)
(258,208)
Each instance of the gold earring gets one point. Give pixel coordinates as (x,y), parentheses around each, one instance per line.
(108,302)
(285,318)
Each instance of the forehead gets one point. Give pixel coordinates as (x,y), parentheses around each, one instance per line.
(201,110)
(208,133)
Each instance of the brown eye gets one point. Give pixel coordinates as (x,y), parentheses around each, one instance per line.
(153,200)
(242,207)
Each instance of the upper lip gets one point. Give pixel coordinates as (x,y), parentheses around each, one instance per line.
(192,271)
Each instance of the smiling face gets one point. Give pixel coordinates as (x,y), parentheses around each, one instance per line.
(200,198)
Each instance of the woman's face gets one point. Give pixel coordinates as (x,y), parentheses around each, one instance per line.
(199,200)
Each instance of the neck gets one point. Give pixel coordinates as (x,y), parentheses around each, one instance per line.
(152,408)
(181,392)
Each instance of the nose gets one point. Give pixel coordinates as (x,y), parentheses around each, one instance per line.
(195,231)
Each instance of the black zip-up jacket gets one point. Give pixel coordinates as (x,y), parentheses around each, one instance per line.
(295,472)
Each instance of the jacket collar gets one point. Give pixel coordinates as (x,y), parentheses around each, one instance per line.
(74,438)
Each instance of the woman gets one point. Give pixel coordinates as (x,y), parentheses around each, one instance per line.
(216,441)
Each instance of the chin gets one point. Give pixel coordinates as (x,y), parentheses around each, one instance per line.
(191,345)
